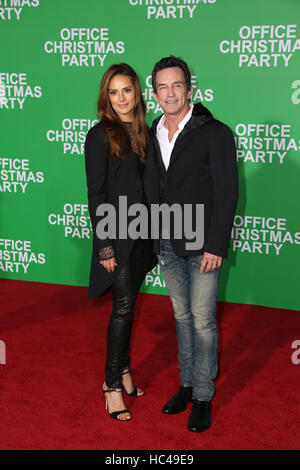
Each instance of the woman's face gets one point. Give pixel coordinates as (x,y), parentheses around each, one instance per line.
(121,93)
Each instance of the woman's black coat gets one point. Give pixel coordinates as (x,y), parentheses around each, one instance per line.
(107,179)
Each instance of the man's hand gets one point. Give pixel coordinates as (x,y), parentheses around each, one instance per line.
(109,264)
(210,262)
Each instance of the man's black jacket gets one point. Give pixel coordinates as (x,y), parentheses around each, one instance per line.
(202,170)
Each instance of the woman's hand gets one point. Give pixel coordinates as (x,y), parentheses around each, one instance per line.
(107,258)
(109,264)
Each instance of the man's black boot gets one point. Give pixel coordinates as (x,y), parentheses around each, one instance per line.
(199,419)
(179,401)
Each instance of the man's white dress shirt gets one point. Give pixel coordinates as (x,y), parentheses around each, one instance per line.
(162,135)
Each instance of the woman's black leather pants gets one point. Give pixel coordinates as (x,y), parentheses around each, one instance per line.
(124,292)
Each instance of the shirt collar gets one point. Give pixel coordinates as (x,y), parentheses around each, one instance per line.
(161,122)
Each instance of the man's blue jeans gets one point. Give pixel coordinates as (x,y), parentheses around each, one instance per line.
(194,298)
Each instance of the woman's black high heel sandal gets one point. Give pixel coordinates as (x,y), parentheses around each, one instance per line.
(134,393)
(115,414)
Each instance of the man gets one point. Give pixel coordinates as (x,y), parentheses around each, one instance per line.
(191,160)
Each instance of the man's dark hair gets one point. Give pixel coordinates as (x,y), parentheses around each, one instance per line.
(171,61)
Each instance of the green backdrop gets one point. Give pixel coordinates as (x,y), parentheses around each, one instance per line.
(244,58)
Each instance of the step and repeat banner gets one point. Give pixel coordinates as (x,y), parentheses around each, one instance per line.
(244,58)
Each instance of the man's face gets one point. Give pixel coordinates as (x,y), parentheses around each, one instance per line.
(172,94)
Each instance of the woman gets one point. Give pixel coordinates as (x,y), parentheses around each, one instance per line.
(115,153)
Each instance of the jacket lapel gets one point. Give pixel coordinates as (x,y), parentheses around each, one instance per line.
(190,129)
(157,152)
(180,144)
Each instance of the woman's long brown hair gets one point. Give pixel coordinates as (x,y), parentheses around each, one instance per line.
(114,129)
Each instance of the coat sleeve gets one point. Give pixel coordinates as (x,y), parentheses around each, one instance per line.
(150,177)
(223,165)
(96,164)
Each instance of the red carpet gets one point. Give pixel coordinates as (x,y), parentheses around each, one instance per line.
(55,350)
